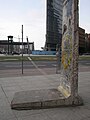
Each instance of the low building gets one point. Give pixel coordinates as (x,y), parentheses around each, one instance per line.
(9,46)
(3,46)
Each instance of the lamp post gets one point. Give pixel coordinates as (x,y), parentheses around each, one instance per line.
(22,49)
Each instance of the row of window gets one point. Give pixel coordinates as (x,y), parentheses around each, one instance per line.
(54,22)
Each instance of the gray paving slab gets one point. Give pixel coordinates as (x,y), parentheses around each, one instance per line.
(25,113)
(4,102)
(35,117)
(6,113)
(1,92)
(59,113)
(71,113)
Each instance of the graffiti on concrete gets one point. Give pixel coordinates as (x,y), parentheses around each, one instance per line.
(67,45)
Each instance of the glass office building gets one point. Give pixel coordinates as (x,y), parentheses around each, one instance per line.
(53,24)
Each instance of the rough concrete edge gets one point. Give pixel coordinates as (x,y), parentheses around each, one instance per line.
(26,106)
(66,102)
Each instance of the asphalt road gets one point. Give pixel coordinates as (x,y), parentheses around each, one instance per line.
(27,65)
(35,68)
(40,64)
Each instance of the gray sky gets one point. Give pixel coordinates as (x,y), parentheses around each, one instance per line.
(31,13)
(84,15)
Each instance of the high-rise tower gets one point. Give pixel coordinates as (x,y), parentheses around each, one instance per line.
(53,24)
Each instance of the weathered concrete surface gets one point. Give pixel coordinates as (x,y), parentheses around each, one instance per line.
(70,42)
(45,98)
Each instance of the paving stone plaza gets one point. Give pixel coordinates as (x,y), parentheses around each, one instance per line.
(9,86)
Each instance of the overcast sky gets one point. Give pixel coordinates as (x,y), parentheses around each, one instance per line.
(31,14)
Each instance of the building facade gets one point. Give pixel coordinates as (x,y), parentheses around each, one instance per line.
(82,43)
(87,39)
(53,24)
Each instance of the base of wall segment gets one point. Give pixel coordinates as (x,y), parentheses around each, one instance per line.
(39,99)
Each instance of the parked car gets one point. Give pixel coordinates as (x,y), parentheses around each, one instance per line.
(0,52)
(86,53)
(15,53)
(3,52)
